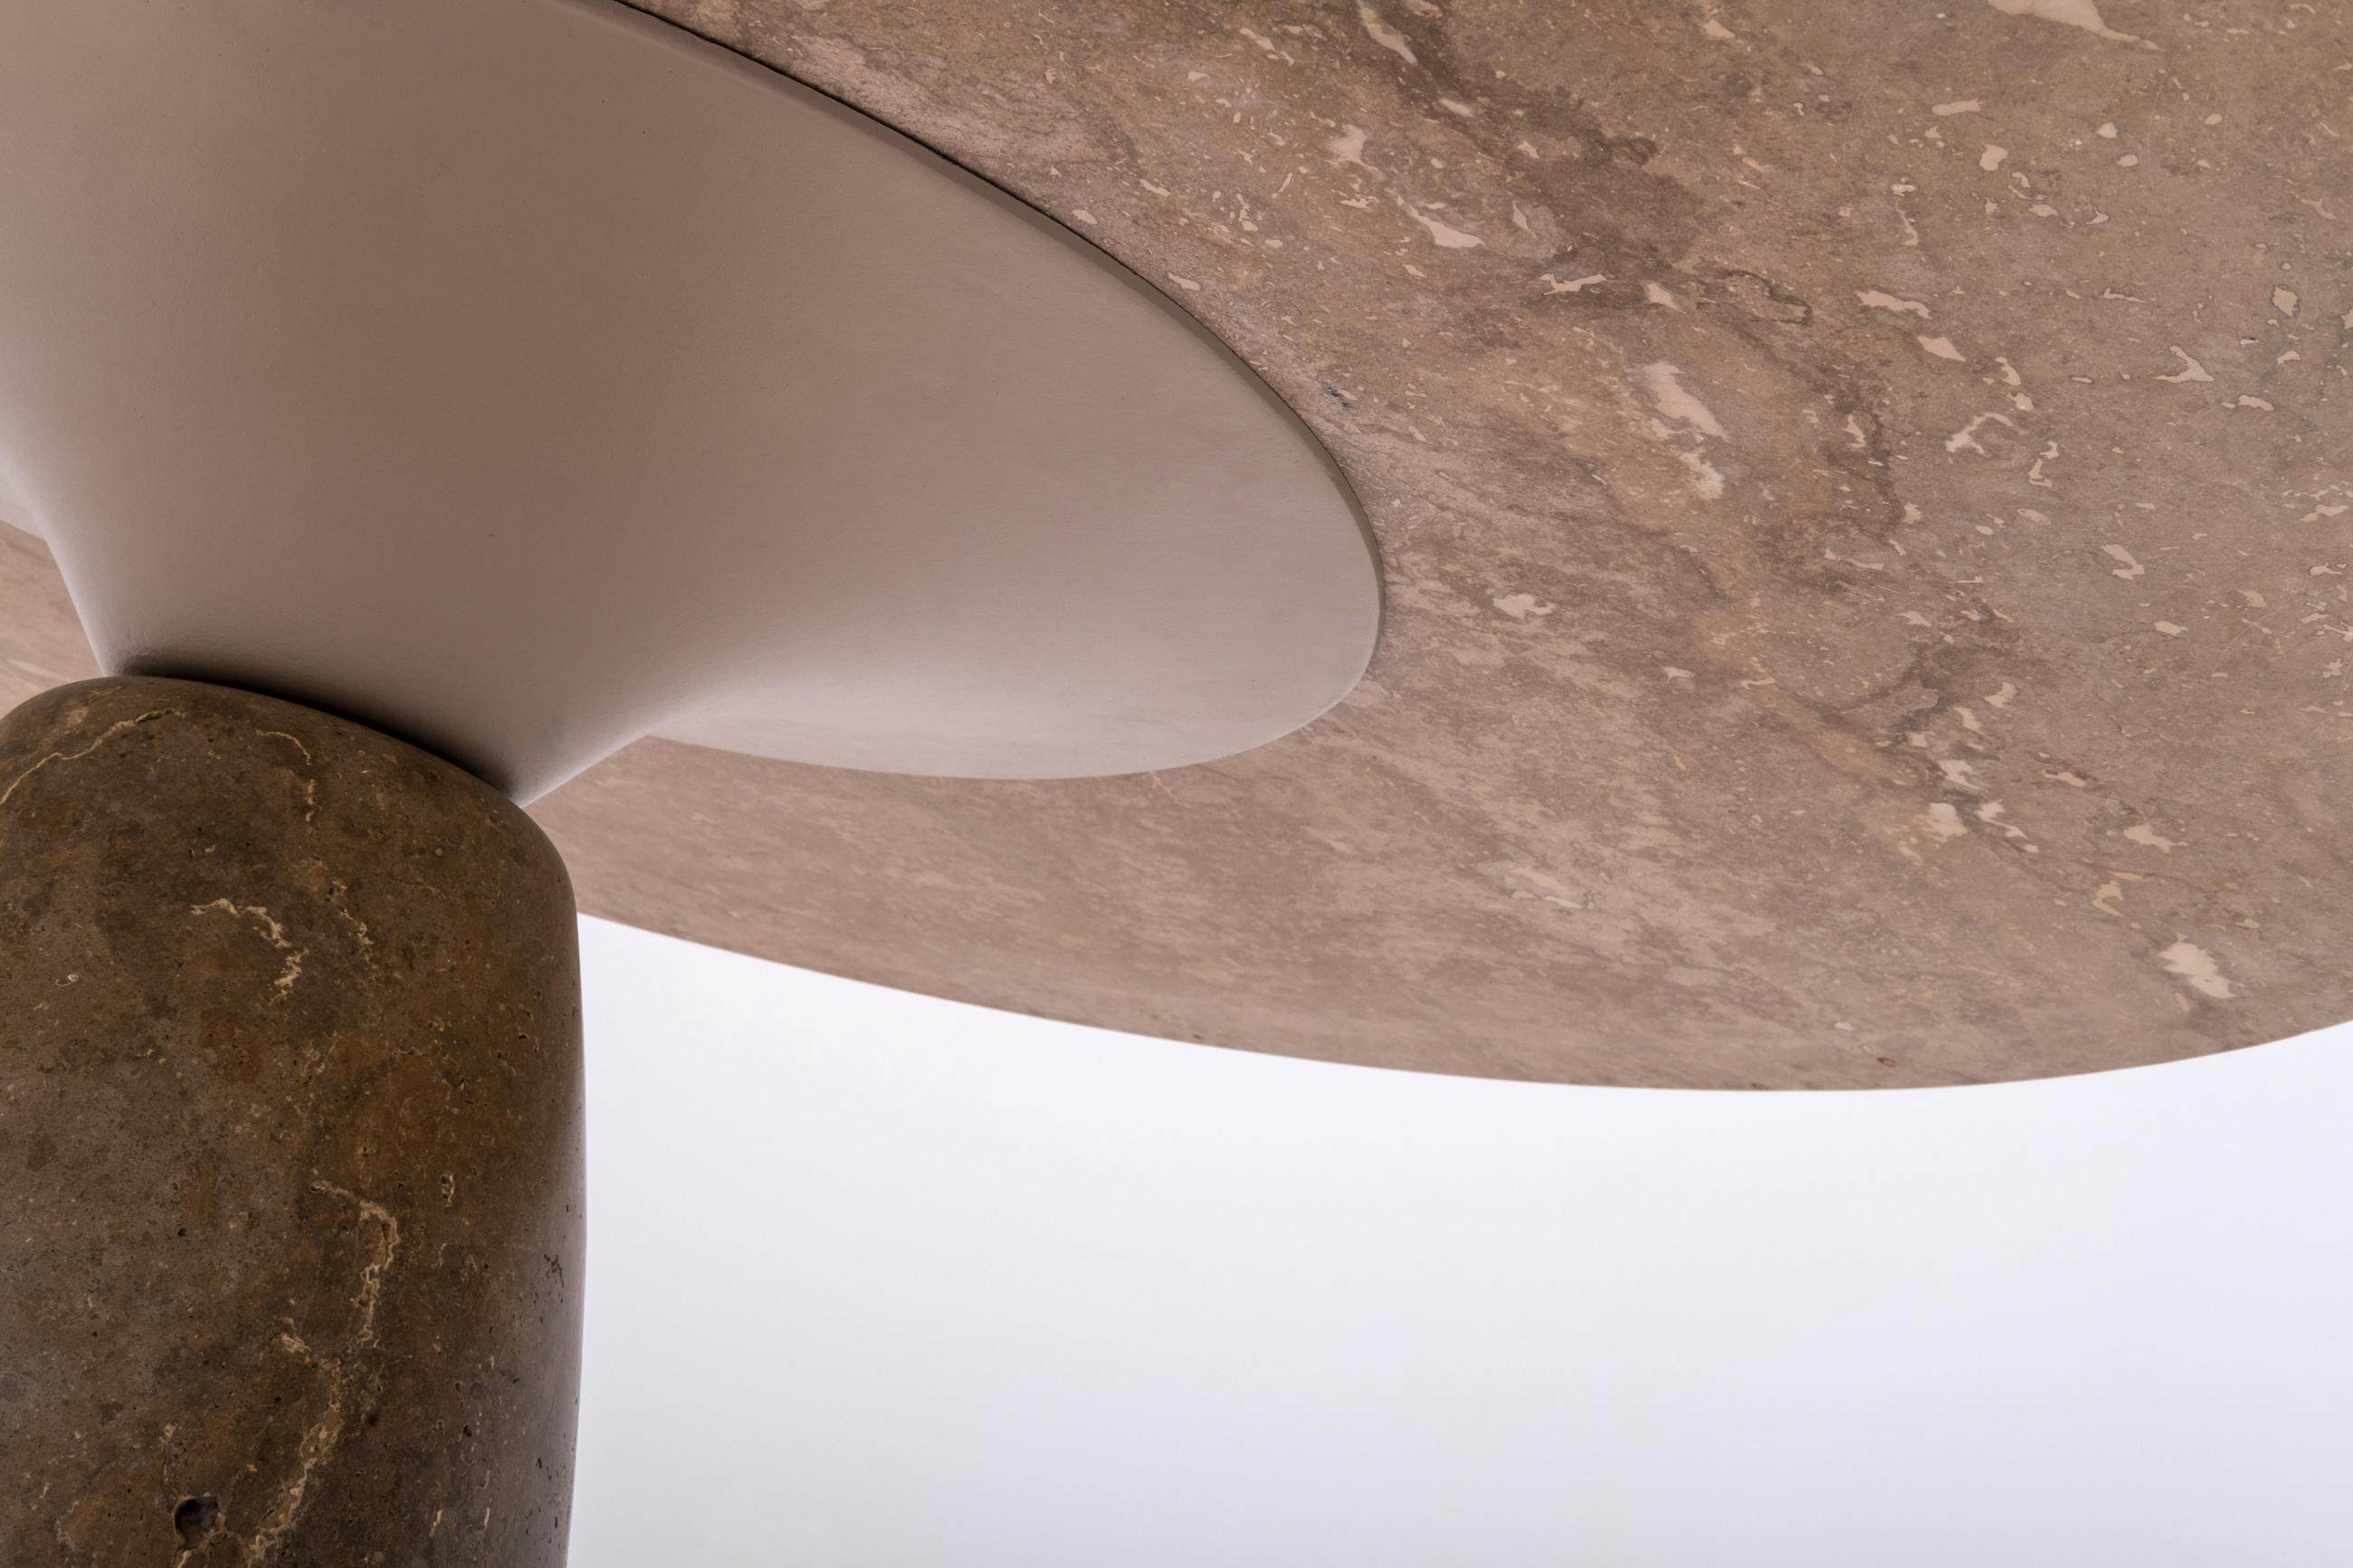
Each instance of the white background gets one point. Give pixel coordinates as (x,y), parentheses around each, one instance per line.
(881,1281)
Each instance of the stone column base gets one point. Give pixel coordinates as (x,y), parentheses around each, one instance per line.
(291,1180)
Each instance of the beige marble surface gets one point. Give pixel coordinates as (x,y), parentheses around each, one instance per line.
(1864,502)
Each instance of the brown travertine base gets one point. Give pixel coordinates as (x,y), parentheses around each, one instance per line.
(290,1144)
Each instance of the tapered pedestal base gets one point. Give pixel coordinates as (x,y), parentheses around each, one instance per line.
(291,1206)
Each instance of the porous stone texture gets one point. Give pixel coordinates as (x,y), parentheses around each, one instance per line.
(1863,491)
(1863,495)
(291,1180)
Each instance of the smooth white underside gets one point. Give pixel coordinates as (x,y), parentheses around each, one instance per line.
(527,378)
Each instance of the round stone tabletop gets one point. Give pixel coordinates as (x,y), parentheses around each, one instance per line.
(1864,503)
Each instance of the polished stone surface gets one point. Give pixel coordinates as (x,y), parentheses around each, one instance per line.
(290,1141)
(1864,499)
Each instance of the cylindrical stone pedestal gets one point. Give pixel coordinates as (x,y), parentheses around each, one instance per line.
(291,1218)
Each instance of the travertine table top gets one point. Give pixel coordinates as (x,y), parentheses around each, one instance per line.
(1865,505)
